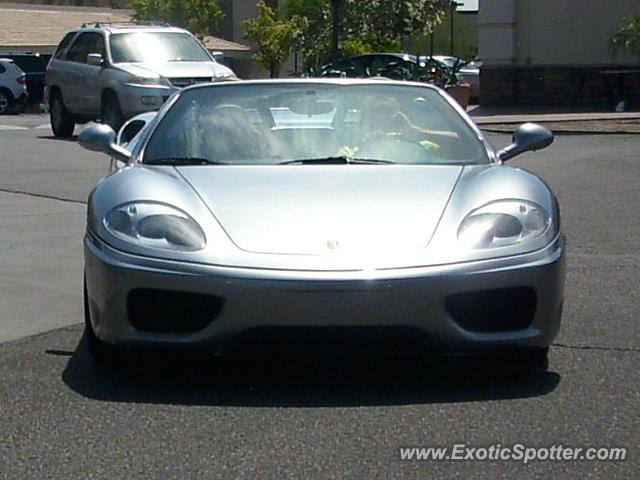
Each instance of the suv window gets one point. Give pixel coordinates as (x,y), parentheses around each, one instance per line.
(156,47)
(64,44)
(2,68)
(85,44)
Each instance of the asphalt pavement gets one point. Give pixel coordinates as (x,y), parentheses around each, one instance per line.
(309,418)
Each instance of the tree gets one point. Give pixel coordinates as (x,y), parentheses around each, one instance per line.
(394,19)
(200,17)
(276,38)
(368,43)
(628,35)
(314,39)
(366,25)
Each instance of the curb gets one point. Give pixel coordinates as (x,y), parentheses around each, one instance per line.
(563,132)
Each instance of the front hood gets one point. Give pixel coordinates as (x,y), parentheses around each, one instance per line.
(321,210)
(176,69)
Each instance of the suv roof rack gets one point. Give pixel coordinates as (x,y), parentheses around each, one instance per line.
(127,24)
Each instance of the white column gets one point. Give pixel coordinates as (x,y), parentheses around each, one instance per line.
(496,31)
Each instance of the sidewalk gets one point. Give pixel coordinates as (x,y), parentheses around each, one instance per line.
(499,120)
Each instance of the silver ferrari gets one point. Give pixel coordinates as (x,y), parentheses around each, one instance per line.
(319,209)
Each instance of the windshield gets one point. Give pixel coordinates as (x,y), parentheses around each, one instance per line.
(305,122)
(156,47)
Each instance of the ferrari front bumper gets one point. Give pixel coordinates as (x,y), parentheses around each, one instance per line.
(471,307)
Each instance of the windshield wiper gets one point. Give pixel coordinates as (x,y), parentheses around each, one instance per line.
(339,160)
(370,161)
(183,161)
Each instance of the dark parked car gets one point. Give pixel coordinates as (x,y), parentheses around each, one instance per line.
(397,66)
(34,67)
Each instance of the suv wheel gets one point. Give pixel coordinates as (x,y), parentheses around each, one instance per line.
(62,122)
(5,102)
(111,112)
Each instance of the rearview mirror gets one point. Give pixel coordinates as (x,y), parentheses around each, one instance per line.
(94,59)
(102,138)
(527,137)
(310,107)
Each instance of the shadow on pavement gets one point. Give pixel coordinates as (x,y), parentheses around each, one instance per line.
(73,138)
(296,381)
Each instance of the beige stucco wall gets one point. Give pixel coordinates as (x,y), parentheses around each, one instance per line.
(242,10)
(552,32)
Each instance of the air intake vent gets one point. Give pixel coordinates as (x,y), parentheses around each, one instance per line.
(498,310)
(165,311)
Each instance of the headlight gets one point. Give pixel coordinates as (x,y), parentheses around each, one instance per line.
(155,225)
(503,223)
(222,76)
(147,81)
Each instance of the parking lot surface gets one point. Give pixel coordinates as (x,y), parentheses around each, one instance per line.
(309,418)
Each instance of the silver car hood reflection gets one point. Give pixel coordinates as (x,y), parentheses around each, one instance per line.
(319,210)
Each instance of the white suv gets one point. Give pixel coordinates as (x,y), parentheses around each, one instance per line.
(113,72)
(13,87)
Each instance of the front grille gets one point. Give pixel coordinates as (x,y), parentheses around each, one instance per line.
(182,82)
(330,340)
(165,311)
(499,310)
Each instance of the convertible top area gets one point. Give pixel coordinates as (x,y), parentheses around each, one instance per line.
(273,123)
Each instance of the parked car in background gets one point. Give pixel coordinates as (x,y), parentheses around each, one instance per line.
(371,212)
(469,72)
(13,87)
(397,66)
(34,66)
(112,72)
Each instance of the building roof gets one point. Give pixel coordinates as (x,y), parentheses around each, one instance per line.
(37,27)
(215,43)
(41,25)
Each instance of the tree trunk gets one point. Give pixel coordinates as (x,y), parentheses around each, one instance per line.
(335,33)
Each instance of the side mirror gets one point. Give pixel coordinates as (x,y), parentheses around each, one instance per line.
(527,137)
(102,138)
(95,60)
(218,56)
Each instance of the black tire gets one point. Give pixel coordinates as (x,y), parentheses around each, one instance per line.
(111,113)
(6,101)
(100,351)
(62,122)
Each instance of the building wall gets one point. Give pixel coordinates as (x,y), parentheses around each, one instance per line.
(570,32)
(236,12)
(556,52)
